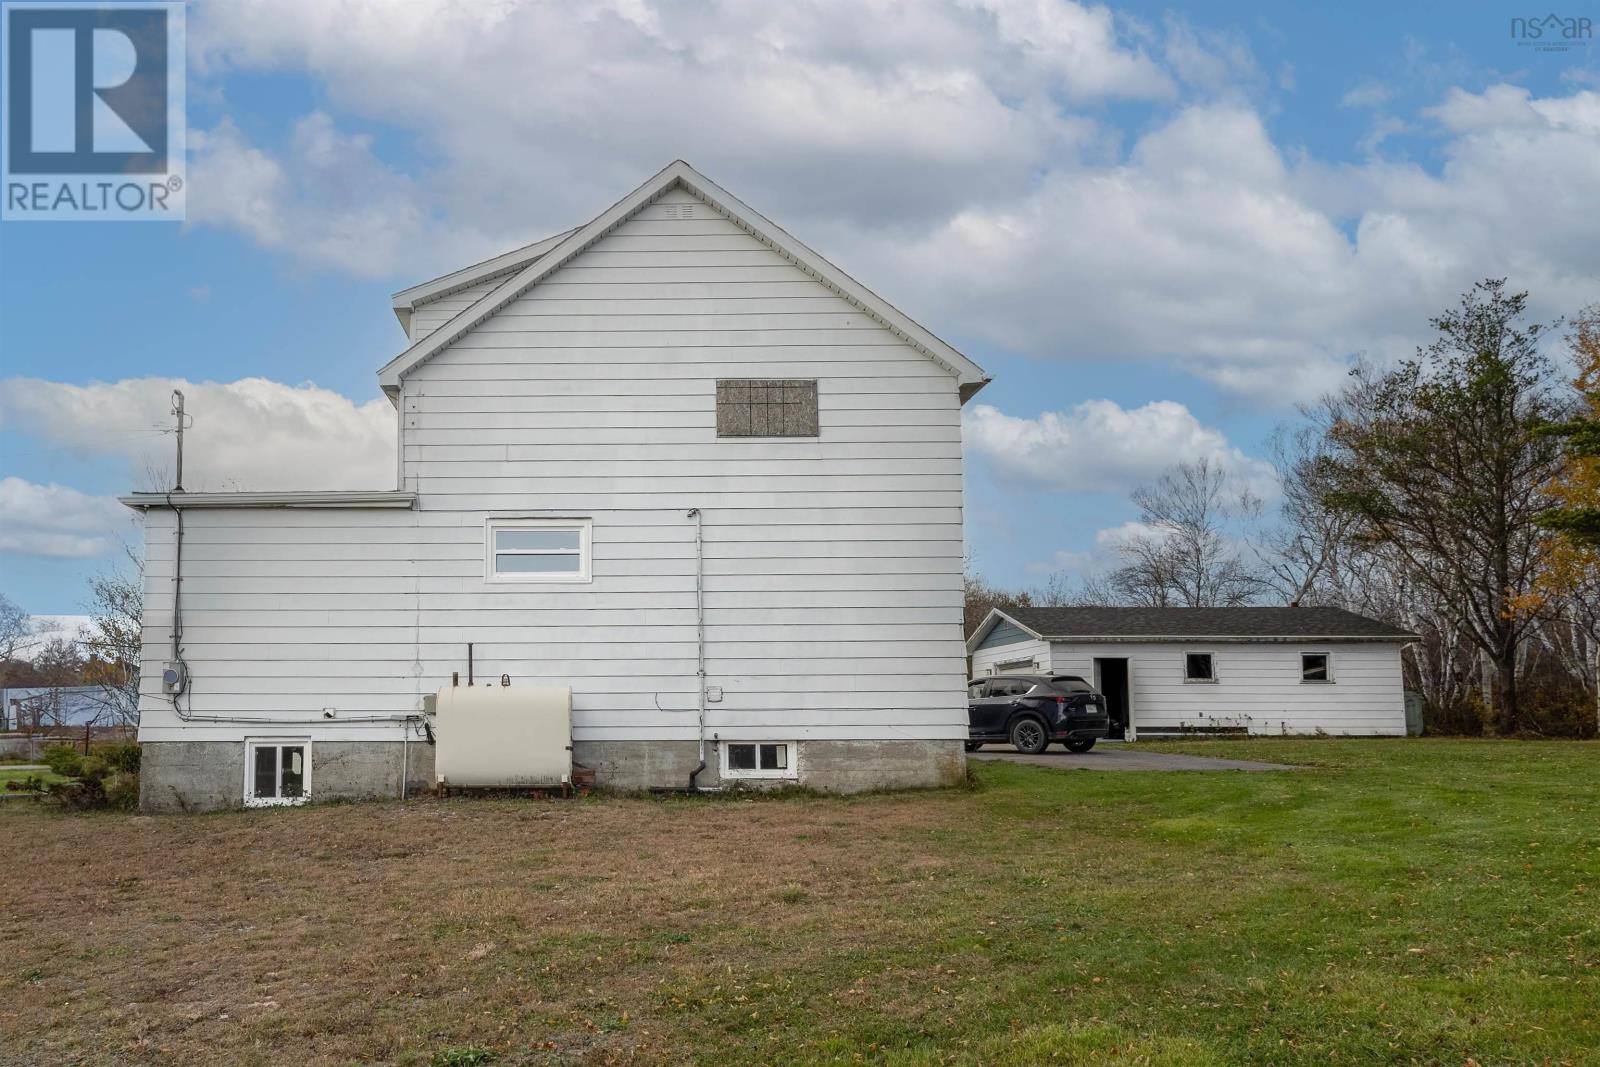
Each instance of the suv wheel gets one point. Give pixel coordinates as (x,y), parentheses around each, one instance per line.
(1082,744)
(973,746)
(1028,736)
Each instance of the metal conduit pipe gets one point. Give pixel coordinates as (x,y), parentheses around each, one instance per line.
(700,639)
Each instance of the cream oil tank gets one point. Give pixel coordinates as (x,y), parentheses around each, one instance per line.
(503,737)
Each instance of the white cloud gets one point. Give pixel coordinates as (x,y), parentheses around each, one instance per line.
(951,154)
(328,202)
(1100,446)
(249,434)
(66,626)
(1367,94)
(1114,537)
(1210,60)
(880,112)
(58,521)
(1062,560)
(1209,248)
(1078,46)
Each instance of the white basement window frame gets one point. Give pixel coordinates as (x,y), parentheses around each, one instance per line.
(1316,668)
(760,759)
(1194,673)
(277,771)
(518,551)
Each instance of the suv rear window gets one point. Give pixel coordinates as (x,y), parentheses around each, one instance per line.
(1009,687)
(1071,683)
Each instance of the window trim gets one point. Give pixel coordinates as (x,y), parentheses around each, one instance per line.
(1212,656)
(1015,666)
(1327,658)
(251,744)
(788,773)
(585,528)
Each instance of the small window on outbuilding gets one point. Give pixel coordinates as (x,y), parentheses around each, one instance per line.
(758,759)
(1316,667)
(1199,667)
(767,407)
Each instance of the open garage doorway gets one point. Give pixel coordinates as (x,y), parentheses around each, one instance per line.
(1111,678)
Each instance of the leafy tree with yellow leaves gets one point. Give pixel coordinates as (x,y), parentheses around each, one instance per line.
(1577,488)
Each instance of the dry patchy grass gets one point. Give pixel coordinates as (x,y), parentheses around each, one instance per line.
(1079,918)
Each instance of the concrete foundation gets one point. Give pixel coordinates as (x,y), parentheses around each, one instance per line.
(209,775)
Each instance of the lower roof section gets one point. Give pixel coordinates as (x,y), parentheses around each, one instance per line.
(321,499)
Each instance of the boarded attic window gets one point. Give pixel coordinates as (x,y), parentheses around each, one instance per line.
(763,407)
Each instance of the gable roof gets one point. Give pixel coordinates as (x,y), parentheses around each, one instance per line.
(408,300)
(969,376)
(1212,624)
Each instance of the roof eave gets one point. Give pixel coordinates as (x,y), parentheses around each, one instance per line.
(346,499)
(409,299)
(1147,639)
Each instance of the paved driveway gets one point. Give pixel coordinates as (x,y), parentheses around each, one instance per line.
(1119,758)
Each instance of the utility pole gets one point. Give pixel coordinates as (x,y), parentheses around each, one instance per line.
(177,409)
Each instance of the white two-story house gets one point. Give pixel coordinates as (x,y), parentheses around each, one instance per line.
(673,460)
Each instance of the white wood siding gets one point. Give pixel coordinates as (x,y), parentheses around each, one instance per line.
(1258,686)
(832,565)
(435,313)
(986,660)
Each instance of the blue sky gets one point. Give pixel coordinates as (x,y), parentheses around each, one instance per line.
(1157,227)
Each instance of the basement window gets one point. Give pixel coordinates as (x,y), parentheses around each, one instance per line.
(758,759)
(277,772)
(1316,667)
(538,550)
(1199,667)
(766,407)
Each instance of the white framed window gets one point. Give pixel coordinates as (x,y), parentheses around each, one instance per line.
(759,759)
(1316,668)
(277,770)
(1014,666)
(1199,667)
(538,550)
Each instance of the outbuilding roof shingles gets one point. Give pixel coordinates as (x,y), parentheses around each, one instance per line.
(1147,623)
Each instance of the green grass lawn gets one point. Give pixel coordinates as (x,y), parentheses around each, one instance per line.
(1396,902)
(12,774)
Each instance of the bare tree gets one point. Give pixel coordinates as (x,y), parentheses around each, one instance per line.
(113,640)
(58,662)
(1188,557)
(20,633)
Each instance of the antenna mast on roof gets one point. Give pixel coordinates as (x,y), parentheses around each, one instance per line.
(177,410)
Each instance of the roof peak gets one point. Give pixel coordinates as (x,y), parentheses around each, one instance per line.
(968,374)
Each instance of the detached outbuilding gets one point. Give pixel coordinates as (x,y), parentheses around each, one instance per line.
(1172,671)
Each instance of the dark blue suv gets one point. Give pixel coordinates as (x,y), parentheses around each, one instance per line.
(1032,710)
